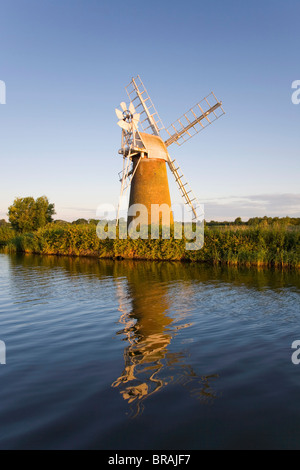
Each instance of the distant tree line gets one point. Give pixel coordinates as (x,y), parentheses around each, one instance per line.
(28,215)
(257,221)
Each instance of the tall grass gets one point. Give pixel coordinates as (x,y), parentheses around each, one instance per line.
(245,246)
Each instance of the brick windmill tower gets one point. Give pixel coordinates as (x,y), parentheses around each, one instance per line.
(145,152)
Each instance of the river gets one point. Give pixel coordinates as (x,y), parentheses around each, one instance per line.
(104,354)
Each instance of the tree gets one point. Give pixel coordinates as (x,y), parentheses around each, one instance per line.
(27,214)
(61,222)
(80,222)
(238,221)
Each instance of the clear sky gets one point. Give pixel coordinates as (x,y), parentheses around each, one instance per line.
(65,64)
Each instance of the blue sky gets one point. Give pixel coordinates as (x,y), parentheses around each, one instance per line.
(66,63)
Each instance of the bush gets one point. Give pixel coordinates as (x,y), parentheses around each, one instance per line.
(6,234)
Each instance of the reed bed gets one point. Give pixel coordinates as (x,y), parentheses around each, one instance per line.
(240,246)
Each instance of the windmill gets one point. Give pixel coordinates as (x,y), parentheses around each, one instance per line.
(145,152)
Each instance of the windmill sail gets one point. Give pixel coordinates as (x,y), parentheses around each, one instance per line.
(195,120)
(150,120)
(196,208)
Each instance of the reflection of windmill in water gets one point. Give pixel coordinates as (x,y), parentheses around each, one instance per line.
(148,339)
(149,330)
(145,153)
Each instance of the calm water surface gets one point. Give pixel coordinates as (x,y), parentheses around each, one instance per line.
(141,355)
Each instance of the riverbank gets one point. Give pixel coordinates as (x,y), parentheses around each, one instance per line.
(239,246)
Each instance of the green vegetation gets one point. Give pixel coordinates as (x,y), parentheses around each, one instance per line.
(27,214)
(259,222)
(265,241)
(239,245)
(6,234)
